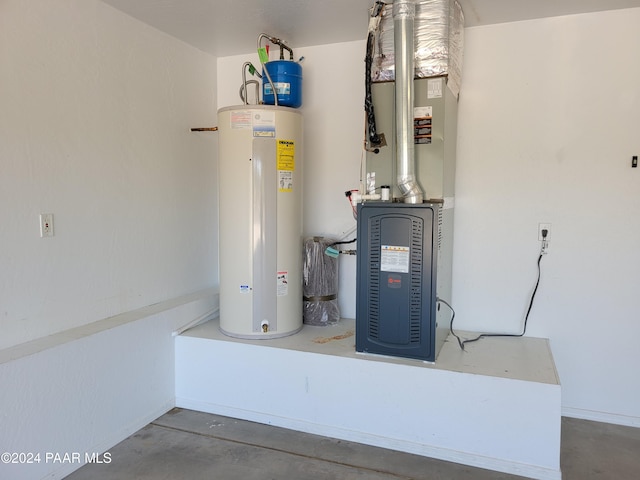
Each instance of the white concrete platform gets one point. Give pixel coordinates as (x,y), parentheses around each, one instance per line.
(495,406)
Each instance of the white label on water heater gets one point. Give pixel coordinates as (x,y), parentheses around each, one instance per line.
(283,283)
(285,181)
(245,289)
(264,124)
(264,131)
(394,258)
(240,119)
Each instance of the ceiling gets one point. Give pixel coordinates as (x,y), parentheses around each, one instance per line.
(231,27)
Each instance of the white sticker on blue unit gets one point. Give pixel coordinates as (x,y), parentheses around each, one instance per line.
(394,258)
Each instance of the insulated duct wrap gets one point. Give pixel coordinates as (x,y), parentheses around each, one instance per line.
(439,42)
(319,284)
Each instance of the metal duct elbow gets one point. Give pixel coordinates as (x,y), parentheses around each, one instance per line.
(403,35)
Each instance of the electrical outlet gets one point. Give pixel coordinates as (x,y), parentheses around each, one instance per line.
(46,225)
(547,227)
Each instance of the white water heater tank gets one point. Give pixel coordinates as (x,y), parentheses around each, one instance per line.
(260,174)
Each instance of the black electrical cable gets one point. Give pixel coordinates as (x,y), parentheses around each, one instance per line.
(485,335)
(453,315)
(343,243)
(372,134)
(373,137)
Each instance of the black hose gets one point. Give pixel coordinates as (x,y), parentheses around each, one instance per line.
(372,134)
(373,137)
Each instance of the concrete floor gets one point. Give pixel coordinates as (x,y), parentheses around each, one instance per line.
(195,445)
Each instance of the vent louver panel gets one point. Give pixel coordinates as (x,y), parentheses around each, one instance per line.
(415,310)
(439,228)
(374,280)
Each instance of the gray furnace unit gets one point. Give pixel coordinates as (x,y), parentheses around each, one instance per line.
(397,280)
(390,320)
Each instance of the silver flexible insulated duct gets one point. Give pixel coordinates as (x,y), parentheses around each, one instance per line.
(404,12)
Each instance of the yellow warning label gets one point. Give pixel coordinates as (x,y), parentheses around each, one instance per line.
(285,155)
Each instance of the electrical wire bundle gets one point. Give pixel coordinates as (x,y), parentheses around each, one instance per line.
(373,139)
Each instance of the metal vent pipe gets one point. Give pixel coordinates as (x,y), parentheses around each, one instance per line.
(404,12)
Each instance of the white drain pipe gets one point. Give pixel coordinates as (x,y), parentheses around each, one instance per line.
(404,12)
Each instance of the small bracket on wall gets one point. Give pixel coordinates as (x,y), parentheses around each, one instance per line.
(634,161)
(205,129)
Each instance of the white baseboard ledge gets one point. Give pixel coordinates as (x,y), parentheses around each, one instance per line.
(603,417)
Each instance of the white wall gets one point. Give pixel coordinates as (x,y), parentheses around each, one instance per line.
(94,128)
(547,128)
(548,123)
